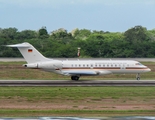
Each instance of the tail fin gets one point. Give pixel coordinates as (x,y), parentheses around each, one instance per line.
(30,54)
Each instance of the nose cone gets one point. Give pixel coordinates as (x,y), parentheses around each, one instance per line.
(147,70)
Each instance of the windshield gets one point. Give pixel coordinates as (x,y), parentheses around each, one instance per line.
(138,64)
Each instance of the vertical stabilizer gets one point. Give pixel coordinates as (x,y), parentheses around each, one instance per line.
(30,54)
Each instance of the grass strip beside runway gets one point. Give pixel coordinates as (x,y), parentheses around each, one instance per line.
(77,113)
(77,101)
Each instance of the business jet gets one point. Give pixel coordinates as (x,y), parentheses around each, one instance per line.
(78,68)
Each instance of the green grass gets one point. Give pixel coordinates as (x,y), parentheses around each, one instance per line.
(12,63)
(80,113)
(96,93)
(75,97)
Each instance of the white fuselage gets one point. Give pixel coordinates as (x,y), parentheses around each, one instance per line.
(93,67)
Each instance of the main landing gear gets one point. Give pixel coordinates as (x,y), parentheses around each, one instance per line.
(138,76)
(75,78)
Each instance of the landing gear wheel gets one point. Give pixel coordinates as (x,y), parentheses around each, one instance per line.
(138,76)
(75,78)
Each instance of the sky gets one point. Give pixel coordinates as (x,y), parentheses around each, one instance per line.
(105,15)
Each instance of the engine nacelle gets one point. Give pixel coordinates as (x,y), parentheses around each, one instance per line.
(31,65)
(54,64)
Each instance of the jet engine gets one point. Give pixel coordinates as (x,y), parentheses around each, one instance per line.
(54,64)
(31,65)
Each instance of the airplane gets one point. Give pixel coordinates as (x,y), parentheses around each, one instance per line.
(78,68)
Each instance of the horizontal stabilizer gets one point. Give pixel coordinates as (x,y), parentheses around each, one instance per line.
(22,45)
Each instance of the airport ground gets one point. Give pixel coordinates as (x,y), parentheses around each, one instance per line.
(74,101)
(77,101)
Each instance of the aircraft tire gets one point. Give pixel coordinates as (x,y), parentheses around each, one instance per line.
(74,78)
(138,78)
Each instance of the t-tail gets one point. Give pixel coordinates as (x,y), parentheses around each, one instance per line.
(30,54)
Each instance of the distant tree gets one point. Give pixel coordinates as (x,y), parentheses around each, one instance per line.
(98,32)
(96,37)
(151,34)
(26,34)
(151,49)
(43,33)
(61,35)
(8,33)
(94,48)
(135,42)
(82,34)
(136,34)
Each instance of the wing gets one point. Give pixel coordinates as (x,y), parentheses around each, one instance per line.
(86,72)
(71,73)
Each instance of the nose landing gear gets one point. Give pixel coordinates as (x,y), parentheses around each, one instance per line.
(138,76)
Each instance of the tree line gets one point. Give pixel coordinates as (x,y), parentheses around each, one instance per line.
(136,42)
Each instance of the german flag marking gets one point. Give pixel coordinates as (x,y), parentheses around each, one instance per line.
(30,50)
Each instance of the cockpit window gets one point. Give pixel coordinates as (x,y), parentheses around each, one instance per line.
(138,64)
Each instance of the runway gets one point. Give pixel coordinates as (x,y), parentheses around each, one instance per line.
(77,83)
